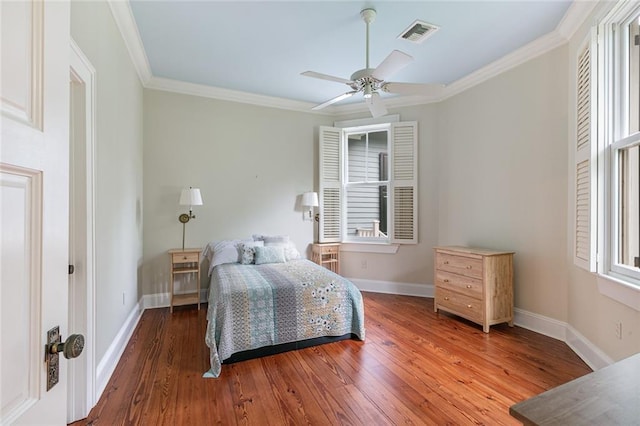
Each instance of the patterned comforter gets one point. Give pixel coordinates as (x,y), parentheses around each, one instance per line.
(253,306)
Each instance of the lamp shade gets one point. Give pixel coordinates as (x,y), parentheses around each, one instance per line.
(190,197)
(310,199)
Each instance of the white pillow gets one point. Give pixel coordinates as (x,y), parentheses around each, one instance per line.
(221,252)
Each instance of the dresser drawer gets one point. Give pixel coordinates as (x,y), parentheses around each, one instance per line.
(185,257)
(467,266)
(471,287)
(459,304)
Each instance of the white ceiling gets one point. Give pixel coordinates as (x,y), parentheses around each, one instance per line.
(261,47)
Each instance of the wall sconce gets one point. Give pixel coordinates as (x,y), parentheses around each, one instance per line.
(309,200)
(189,197)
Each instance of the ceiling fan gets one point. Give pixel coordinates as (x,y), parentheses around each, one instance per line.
(370,81)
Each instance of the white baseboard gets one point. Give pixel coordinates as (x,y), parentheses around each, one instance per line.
(590,353)
(540,324)
(389,287)
(587,351)
(109,361)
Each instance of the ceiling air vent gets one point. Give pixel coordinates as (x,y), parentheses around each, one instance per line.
(418,32)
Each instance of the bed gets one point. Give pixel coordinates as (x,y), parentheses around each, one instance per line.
(271,303)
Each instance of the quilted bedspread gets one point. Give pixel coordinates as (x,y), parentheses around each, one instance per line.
(252,306)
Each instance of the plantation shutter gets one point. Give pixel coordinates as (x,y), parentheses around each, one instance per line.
(585,164)
(404,180)
(330,225)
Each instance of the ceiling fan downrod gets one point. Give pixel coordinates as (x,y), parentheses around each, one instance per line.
(368,15)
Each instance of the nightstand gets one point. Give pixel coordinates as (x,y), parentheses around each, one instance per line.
(327,255)
(185,261)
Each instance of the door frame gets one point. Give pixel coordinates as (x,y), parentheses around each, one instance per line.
(81,397)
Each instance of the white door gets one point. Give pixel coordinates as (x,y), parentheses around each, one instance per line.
(34,198)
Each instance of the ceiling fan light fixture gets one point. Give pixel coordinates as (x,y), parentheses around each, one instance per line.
(367,91)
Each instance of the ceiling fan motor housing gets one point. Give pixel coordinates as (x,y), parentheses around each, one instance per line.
(363,77)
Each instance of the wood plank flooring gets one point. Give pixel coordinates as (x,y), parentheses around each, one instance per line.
(415,367)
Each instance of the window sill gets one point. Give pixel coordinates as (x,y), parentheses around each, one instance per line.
(370,248)
(619,290)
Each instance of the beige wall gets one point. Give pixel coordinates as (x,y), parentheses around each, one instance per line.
(251,164)
(503,176)
(118,168)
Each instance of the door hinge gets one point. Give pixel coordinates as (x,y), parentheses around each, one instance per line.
(636,261)
(636,40)
(72,269)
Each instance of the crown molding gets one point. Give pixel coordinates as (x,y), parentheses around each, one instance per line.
(176,86)
(122,14)
(575,16)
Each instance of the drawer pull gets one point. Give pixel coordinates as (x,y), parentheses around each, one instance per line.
(469,286)
(446,298)
(469,306)
(446,280)
(446,262)
(184,258)
(468,266)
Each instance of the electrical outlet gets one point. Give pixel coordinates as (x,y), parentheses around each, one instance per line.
(619,329)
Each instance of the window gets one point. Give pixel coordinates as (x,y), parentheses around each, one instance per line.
(608,147)
(368,184)
(619,87)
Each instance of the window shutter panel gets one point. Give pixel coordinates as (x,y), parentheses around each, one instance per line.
(585,164)
(330,226)
(404,191)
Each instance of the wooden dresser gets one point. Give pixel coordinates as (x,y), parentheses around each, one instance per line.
(474,283)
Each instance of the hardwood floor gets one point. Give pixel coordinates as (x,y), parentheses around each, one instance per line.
(415,367)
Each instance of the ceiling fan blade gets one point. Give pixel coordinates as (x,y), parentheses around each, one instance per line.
(412,88)
(391,64)
(326,77)
(334,100)
(376,105)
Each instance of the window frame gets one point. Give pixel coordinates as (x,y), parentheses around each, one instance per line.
(613,135)
(346,183)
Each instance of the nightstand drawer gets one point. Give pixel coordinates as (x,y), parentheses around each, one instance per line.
(185,257)
(329,249)
(467,266)
(459,304)
(471,287)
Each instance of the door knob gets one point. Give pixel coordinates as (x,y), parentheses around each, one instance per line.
(71,348)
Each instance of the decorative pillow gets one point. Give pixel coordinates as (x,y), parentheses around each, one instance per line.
(269,254)
(248,251)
